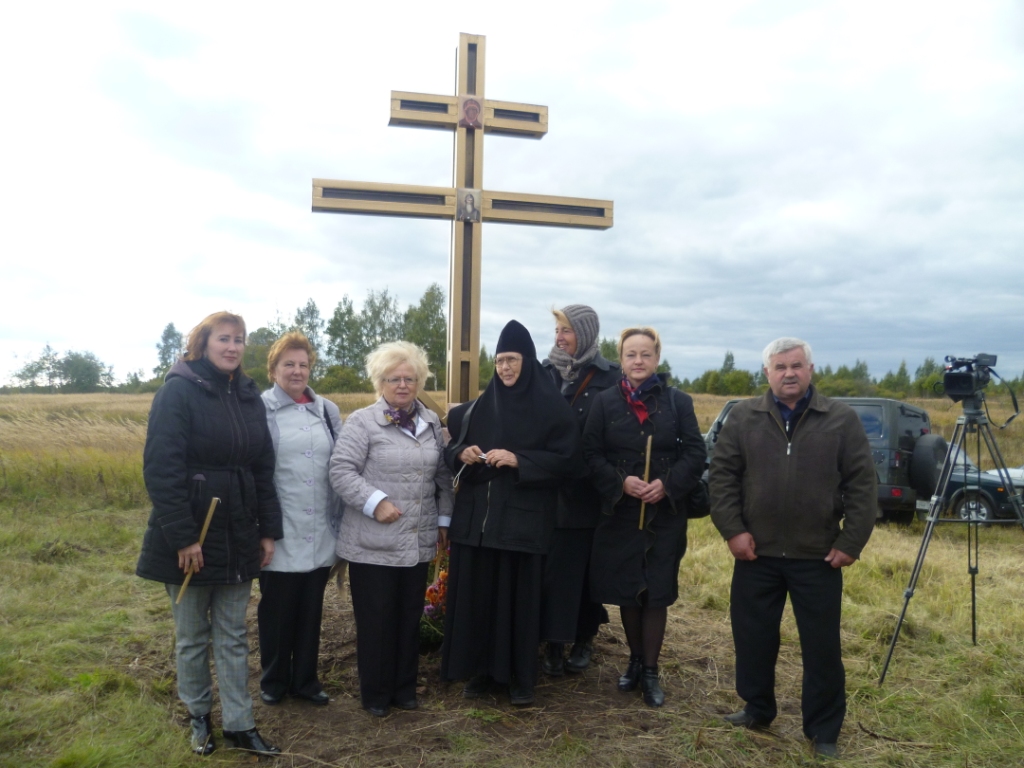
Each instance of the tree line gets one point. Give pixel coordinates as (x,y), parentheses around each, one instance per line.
(844,381)
(343,340)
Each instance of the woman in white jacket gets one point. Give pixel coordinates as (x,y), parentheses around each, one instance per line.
(303,426)
(388,466)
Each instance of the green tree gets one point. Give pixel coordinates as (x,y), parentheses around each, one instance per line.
(486,367)
(311,325)
(729,364)
(927,368)
(666,367)
(168,350)
(72,372)
(426,325)
(738,382)
(897,384)
(343,335)
(610,350)
(257,349)
(343,378)
(39,372)
(84,372)
(380,320)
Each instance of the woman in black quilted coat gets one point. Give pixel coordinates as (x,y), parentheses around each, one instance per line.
(208,437)
(632,566)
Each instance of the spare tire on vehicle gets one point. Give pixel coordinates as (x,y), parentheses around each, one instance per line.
(926,464)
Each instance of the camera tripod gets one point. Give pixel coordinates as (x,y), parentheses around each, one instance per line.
(973,422)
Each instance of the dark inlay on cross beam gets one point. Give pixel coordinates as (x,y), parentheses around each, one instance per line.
(383,197)
(467,286)
(423,106)
(569,210)
(515,114)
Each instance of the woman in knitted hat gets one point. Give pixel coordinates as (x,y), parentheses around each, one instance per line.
(569,615)
(511,449)
(641,537)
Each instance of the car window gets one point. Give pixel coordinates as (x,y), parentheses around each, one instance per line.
(960,458)
(871,418)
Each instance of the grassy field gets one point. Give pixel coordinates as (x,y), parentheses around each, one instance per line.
(87,669)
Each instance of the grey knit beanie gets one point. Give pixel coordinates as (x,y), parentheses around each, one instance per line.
(584,322)
(585,325)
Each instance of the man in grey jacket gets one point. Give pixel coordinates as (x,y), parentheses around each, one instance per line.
(793,493)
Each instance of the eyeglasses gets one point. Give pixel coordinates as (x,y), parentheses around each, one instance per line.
(396,380)
(511,362)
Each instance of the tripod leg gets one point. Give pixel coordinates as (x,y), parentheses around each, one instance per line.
(972,569)
(956,446)
(1004,475)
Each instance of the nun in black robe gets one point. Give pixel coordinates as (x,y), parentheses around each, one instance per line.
(511,449)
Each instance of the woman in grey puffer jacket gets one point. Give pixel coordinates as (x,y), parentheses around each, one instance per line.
(389,469)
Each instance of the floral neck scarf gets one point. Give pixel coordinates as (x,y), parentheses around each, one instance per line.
(404,419)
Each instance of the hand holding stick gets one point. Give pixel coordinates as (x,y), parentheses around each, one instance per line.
(647,477)
(202,537)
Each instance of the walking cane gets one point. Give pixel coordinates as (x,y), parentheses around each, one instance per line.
(647,476)
(202,537)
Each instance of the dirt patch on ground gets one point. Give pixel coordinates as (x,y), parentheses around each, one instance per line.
(576,719)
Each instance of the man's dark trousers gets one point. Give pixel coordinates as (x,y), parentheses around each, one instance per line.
(759,589)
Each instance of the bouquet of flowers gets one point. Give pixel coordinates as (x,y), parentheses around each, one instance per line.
(432,621)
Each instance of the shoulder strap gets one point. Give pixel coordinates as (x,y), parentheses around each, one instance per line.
(464,428)
(327,418)
(583,385)
(675,413)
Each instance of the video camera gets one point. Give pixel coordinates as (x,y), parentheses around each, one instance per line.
(967,377)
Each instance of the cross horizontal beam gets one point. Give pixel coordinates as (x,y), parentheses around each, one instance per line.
(550,210)
(440,203)
(426,110)
(383,199)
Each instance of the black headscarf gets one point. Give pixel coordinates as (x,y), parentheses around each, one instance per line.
(530,418)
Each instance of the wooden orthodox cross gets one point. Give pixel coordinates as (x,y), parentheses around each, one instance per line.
(466,203)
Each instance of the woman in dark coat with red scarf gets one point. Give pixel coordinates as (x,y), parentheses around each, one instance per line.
(634,567)
(511,449)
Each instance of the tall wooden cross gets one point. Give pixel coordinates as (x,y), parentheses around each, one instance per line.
(466,203)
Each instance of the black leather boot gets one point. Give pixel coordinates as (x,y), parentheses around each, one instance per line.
(631,677)
(553,663)
(579,656)
(251,741)
(202,735)
(650,685)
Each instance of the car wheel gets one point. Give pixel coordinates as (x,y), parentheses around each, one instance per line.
(974,506)
(926,464)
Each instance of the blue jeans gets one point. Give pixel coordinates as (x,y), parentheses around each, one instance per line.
(214,613)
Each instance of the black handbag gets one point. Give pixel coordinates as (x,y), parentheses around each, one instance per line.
(698,502)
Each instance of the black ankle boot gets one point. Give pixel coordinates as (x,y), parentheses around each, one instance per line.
(202,735)
(251,741)
(649,684)
(553,663)
(631,677)
(579,656)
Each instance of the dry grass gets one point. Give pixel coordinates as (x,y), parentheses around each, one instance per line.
(86,663)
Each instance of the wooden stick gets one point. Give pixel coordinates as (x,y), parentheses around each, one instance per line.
(202,537)
(647,476)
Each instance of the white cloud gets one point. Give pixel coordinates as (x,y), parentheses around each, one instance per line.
(846,171)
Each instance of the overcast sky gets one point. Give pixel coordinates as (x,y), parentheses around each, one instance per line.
(848,172)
